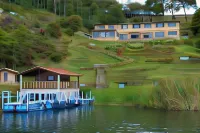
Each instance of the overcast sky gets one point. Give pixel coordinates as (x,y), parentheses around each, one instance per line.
(190,11)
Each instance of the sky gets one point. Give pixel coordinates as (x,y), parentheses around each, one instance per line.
(190,11)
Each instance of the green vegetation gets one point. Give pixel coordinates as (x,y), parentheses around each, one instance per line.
(177,94)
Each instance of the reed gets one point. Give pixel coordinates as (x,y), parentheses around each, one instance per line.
(177,94)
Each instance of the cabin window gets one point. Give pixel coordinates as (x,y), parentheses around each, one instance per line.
(172,33)
(42,97)
(124,26)
(147,25)
(111,27)
(36,97)
(136,26)
(159,34)
(31,97)
(158,25)
(171,24)
(50,78)
(5,76)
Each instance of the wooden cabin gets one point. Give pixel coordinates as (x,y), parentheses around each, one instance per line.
(48,80)
(8,76)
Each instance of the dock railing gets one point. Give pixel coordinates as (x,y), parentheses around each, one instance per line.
(49,85)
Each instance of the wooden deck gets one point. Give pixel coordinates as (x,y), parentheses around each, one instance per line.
(49,85)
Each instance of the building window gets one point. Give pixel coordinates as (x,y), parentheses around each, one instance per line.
(111,27)
(134,36)
(50,78)
(95,34)
(136,26)
(101,27)
(147,25)
(102,34)
(124,26)
(5,76)
(172,33)
(171,24)
(108,34)
(123,36)
(159,34)
(149,35)
(158,25)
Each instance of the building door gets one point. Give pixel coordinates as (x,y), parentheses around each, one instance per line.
(5,76)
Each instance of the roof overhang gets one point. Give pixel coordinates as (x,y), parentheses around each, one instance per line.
(10,70)
(34,70)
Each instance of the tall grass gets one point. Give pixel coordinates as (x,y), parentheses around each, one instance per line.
(177,94)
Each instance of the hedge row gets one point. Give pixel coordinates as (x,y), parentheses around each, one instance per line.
(167,60)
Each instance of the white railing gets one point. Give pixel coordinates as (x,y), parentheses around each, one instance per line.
(48,85)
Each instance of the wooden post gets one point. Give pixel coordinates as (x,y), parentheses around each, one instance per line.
(20,83)
(17,96)
(58,83)
(27,101)
(78,83)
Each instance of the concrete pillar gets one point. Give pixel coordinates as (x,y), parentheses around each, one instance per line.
(101,80)
(58,83)
(20,83)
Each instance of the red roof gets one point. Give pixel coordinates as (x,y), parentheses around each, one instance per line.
(55,70)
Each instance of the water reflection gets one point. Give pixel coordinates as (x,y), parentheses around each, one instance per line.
(43,121)
(101,119)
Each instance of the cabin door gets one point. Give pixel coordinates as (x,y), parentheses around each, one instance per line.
(5,76)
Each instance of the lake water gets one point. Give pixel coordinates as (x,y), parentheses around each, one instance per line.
(101,119)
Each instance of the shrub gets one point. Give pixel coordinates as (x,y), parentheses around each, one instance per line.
(177,94)
(69,32)
(54,30)
(56,57)
(197,44)
(73,22)
(135,45)
(37,24)
(188,42)
(178,42)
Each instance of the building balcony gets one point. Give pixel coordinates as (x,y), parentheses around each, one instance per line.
(50,85)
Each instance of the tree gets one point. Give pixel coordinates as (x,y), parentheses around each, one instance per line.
(54,30)
(94,8)
(156,6)
(186,4)
(135,6)
(69,8)
(172,7)
(74,22)
(195,25)
(113,15)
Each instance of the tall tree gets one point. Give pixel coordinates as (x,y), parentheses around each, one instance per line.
(195,25)
(186,4)
(156,6)
(94,8)
(172,7)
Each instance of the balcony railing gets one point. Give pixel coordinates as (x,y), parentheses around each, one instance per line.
(49,85)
